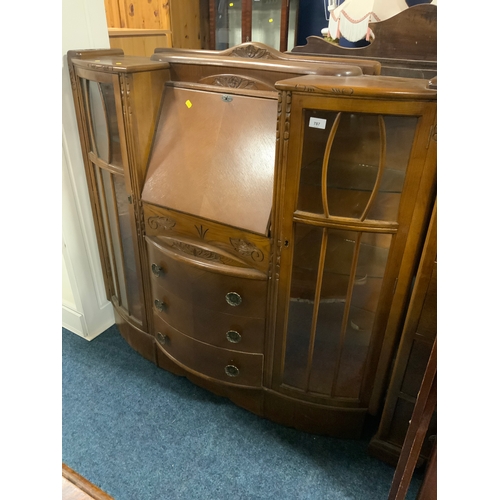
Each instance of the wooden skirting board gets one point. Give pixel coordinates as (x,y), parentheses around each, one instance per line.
(83,489)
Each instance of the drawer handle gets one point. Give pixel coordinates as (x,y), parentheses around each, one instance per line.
(233,336)
(162,339)
(161,306)
(157,270)
(233,299)
(232,371)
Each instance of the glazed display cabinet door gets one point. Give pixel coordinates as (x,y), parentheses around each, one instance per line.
(108,175)
(350,185)
(271,22)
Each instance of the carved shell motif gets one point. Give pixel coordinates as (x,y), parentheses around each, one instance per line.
(234,82)
(252,52)
(247,249)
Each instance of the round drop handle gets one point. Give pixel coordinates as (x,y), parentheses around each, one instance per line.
(233,299)
(232,371)
(233,336)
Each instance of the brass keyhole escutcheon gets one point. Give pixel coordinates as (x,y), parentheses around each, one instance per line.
(161,306)
(157,270)
(233,336)
(232,371)
(233,299)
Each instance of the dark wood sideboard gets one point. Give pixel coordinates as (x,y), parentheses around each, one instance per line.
(260,219)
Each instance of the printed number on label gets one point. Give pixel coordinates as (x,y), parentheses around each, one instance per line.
(317,122)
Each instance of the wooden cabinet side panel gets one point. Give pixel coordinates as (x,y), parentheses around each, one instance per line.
(392,429)
(417,231)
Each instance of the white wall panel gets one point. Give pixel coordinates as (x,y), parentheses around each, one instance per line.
(85,309)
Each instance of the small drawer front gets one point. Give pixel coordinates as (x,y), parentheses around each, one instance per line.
(219,329)
(207,288)
(221,364)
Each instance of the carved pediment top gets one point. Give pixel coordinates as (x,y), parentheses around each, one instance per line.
(253,50)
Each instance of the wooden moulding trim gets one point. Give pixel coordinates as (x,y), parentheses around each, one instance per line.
(345,223)
(257,50)
(170,247)
(299,396)
(201,85)
(83,484)
(381,167)
(364,86)
(317,298)
(120,32)
(118,63)
(285,66)
(388,452)
(91,53)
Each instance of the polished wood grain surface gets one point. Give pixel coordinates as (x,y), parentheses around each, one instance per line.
(413,353)
(410,35)
(199,171)
(257,50)
(72,492)
(238,168)
(139,42)
(76,487)
(243,245)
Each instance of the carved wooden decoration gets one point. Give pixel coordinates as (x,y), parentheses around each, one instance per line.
(254,52)
(201,252)
(236,82)
(247,249)
(165,223)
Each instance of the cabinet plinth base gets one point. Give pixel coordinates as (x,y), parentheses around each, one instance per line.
(345,423)
(308,417)
(140,341)
(388,452)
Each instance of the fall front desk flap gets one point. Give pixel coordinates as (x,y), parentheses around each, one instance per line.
(213,157)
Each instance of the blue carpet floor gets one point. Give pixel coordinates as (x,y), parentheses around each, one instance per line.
(141,433)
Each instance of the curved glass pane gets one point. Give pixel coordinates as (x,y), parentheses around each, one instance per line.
(335,290)
(227,24)
(118,209)
(369,155)
(104,122)
(266,21)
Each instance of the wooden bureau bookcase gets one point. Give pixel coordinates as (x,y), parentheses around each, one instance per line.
(260,218)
